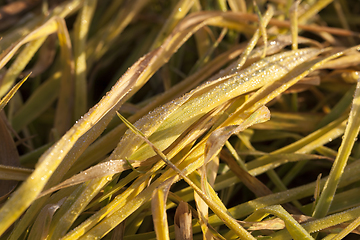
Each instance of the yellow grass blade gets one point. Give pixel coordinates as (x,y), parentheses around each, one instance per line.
(11,93)
(97,180)
(103,113)
(19,64)
(158,209)
(195,107)
(64,111)
(44,30)
(81,32)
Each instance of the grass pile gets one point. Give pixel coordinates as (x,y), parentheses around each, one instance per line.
(179,119)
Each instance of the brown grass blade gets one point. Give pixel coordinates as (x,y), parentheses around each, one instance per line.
(183,228)
(9,156)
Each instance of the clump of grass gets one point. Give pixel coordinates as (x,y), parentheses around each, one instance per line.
(180,120)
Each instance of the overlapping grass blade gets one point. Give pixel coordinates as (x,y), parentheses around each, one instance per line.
(294,228)
(128,183)
(99,115)
(350,136)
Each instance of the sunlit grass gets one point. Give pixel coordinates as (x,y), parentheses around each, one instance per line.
(240,120)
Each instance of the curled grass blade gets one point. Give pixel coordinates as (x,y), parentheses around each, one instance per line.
(218,137)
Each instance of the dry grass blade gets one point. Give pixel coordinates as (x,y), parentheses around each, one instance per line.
(179,12)
(73,207)
(183,228)
(314,9)
(106,36)
(294,25)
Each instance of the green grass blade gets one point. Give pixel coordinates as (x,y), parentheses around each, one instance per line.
(350,136)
